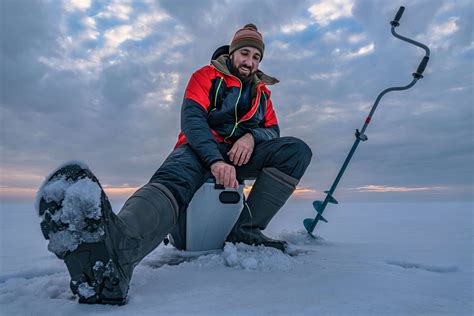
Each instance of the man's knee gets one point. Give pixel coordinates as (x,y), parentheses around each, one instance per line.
(292,156)
(182,173)
(300,149)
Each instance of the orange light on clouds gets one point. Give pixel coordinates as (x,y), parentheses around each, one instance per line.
(304,191)
(122,192)
(299,192)
(384,189)
(17,193)
(28,194)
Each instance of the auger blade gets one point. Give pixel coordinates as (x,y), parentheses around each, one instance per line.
(320,217)
(318,206)
(309,224)
(331,198)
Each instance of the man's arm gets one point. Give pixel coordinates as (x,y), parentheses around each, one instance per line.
(198,133)
(270,128)
(265,133)
(194,118)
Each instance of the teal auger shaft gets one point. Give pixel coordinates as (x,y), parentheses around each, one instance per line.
(320,206)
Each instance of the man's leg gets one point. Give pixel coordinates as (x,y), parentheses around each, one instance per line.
(178,178)
(183,174)
(101,249)
(278,165)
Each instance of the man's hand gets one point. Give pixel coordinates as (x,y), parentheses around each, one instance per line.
(225,174)
(242,150)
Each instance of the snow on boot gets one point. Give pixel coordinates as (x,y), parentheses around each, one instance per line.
(269,193)
(99,249)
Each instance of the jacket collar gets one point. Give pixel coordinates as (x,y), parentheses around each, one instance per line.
(221,65)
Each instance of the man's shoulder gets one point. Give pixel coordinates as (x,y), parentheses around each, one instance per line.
(208,70)
(211,72)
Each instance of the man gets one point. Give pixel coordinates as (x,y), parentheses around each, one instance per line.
(229,131)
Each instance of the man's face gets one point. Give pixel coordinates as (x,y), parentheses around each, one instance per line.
(245,62)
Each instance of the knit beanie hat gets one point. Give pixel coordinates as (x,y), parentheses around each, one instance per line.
(247,36)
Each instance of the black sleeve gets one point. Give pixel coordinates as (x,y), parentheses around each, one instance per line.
(198,133)
(265,133)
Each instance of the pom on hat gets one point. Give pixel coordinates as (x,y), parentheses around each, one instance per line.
(248,36)
(251,25)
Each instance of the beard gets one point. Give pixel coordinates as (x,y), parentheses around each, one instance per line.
(245,74)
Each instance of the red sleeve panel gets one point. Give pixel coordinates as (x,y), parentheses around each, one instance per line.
(270,116)
(199,86)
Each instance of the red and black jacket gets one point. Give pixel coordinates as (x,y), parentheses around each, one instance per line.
(209,110)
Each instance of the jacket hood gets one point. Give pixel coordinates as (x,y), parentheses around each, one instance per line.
(221,64)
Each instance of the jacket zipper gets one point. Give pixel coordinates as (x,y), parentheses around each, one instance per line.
(215,96)
(236,118)
(235,111)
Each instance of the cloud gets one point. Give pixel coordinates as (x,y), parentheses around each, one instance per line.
(167,90)
(300,192)
(445,29)
(331,76)
(90,32)
(327,11)
(343,35)
(77,5)
(384,189)
(114,37)
(294,27)
(120,192)
(335,35)
(362,51)
(356,38)
(439,33)
(117,35)
(97,43)
(117,9)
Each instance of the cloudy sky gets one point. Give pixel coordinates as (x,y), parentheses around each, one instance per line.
(102,82)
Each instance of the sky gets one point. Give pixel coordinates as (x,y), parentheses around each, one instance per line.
(103,82)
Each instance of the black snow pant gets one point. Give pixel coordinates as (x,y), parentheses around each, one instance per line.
(183,173)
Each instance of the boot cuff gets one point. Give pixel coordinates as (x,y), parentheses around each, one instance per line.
(281,176)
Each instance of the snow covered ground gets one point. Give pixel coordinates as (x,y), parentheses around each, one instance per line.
(371,259)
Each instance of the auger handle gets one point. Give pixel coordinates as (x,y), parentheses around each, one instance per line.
(424,61)
(396,20)
(422,65)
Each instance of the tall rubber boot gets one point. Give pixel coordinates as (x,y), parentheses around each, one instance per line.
(269,193)
(99,248)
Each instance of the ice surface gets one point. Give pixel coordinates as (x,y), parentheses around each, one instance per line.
(236,256)
(300,237)
(373,259)
(242,256)
(429,268)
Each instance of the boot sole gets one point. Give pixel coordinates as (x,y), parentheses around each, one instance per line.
(78,237)
(254,241)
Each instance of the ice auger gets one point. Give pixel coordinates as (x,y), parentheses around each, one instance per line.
(320,206)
